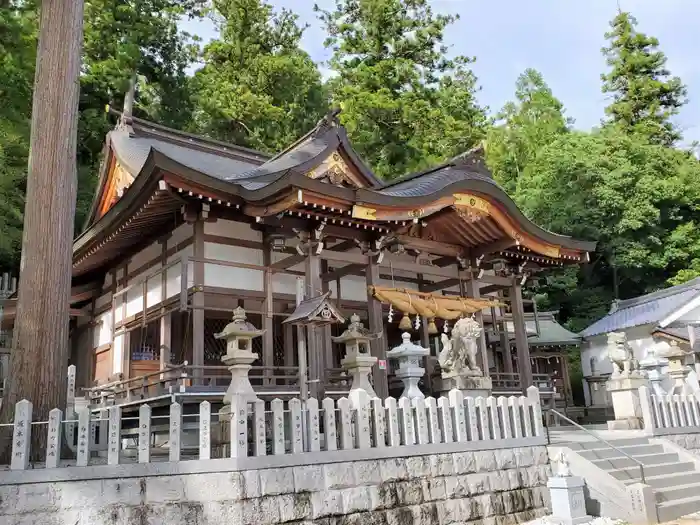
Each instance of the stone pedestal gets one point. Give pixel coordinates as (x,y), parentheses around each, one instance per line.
(410,371)
(470,386)
(568,500)
(624,391)
(359,367)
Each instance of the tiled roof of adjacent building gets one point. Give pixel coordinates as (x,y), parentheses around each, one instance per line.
(647,309)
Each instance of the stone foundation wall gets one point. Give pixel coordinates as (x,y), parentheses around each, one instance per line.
(499,487)
(690,442)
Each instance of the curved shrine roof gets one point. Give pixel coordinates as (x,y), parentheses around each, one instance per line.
(326,168)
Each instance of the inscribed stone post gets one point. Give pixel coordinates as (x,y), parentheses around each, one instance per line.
(22,434)
(144,434)
(205,430)
(53,441)
(175,432)
(115,435)
(329,424)
(70,392)
(83,453)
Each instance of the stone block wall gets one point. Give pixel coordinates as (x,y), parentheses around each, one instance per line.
(499,487)
(690,442)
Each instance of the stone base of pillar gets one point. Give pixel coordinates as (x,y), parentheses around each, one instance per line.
(624,391)
(470,386)
(568,500)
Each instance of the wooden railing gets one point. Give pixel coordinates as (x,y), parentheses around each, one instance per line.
(185,377)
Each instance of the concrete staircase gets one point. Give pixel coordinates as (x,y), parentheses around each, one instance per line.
(673,474)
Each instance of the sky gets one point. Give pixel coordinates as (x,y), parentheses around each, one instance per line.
(560,38)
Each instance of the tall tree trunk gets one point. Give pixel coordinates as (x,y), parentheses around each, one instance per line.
(40,344)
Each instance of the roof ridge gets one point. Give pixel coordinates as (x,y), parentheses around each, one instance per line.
(660,294)
(184,136)
(325,124)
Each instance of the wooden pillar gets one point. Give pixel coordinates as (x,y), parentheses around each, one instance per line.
(376,324)
(425,343)
(325,334)
(166,341)
(470,289)
(288,345)
(268,338)
(315,350)
(198,300)
(521,343)
(126,336)
(566,378)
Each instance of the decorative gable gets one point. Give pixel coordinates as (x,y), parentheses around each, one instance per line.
(334,170)
(118,182)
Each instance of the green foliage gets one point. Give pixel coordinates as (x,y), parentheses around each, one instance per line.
(639,200)
(645,96)
(18,38)
(526,125)
(405,104)
(257,87)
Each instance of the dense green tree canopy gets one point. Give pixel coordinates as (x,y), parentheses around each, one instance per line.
(645,95)
(257,87)
(534,120)
(406,103)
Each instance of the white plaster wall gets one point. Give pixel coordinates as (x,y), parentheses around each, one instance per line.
(638,337)
(230,277)
(233,230)
(153,251)
(103,300)
(102,333)
(154,286)
(174,273)
(180,234)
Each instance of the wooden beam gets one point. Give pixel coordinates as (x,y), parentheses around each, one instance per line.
(484,290)
(350,269)
(439,285)
(84,292)
(344,246)
(434,247)
(495,246)
(445,261)
(288,262)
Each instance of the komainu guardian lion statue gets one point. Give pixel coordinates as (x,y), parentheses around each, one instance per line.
(621,355)
(458,355)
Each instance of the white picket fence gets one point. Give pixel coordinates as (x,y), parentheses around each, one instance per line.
(669,414)
(273,429)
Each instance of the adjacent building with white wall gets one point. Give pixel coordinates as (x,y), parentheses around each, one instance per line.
(669,314)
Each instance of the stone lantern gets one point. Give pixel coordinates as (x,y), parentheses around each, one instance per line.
(677,370)
(357,361)
(409,356)
(239,335)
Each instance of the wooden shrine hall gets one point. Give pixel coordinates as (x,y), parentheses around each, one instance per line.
(185,229)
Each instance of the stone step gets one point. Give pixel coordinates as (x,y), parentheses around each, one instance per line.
(599,445)
(671,510)
(647,459)
(677,492)
(667,480)
(634,450)
(632,473)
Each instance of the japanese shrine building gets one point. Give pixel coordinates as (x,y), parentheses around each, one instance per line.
(184,229)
